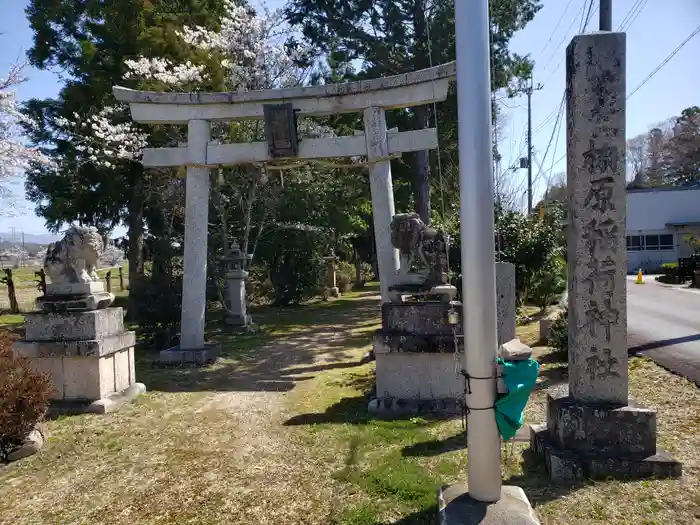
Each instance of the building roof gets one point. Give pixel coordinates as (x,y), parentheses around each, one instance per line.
(664,188)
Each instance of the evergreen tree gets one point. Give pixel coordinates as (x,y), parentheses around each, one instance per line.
(88,41)
(391,37)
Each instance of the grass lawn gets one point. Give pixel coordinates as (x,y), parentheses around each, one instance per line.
(277,432)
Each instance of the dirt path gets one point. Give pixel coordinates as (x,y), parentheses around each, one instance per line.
(280,481)
(204,445)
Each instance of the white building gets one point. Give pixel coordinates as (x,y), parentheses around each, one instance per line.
(660,222)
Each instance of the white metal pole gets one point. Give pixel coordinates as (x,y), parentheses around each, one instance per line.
(478,250)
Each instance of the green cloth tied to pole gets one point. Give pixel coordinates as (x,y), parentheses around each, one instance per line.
(520,378)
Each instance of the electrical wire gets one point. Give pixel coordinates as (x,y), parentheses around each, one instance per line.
(566,33)
(654,71)
(556,26)
(632,14)
(664,62)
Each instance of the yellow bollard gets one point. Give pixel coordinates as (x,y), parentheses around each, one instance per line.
(639,277)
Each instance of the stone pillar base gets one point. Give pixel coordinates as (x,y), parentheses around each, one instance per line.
(395,407)
(87,354)
(201,356)
(455,507)
(582,441)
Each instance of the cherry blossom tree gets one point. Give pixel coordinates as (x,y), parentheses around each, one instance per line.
(15,155)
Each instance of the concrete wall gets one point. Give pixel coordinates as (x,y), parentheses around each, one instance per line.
(650,212)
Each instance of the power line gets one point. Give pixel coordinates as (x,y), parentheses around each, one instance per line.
(632,14)
(656,70)
(560,113)
(585,20)
(664,62)
(566,33)
(556,26)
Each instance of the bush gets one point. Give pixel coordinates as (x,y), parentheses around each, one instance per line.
(295,261)
(156,307)
(345,276)
(548,283)
(559,332)
(24,396)
(259,289)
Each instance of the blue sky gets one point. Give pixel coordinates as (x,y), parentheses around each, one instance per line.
(656,31)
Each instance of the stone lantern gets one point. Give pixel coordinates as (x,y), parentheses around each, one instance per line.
(236,277)
(331,267)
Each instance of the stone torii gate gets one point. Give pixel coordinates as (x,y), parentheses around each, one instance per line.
(278,107)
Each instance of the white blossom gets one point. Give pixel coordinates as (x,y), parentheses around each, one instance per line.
(15,156)
(165,71)
(252,47)
(111,136)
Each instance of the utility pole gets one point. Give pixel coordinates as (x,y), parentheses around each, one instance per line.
(528,92)
(605,17)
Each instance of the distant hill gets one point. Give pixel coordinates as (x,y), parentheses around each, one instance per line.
(29,238)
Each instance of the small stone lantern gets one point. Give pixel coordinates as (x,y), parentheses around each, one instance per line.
(331,267)
(236,277)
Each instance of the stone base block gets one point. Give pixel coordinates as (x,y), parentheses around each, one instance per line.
(571,465)
(74,326)
(75,288)
(456,507)
(176,355)
(384,343)
(599,429)
(87,347)
(424,318)
(74,303)
(392,407)
(88,377)
(238,320)
(115,400)
(418,376)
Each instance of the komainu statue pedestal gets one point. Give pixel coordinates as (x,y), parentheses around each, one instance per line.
(77,339)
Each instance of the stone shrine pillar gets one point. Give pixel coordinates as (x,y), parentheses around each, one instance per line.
(593,429)
(505,302)
(236,277)
(331,282)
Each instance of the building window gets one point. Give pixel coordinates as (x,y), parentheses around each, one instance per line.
(666,242)
(650,243)
(634,243)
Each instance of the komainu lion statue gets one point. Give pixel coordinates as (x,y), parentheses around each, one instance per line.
(423,251)
(74,258)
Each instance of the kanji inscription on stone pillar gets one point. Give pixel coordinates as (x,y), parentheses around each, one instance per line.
(597,256)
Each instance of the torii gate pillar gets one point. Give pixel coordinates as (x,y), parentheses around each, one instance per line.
(382,191)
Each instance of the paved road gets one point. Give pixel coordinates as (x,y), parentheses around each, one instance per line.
(663,324)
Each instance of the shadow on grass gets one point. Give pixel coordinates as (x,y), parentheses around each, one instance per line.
(554,357)
(536,483)
(352,410)
(436,447)
(284,352)
(549,377)
(427,516)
